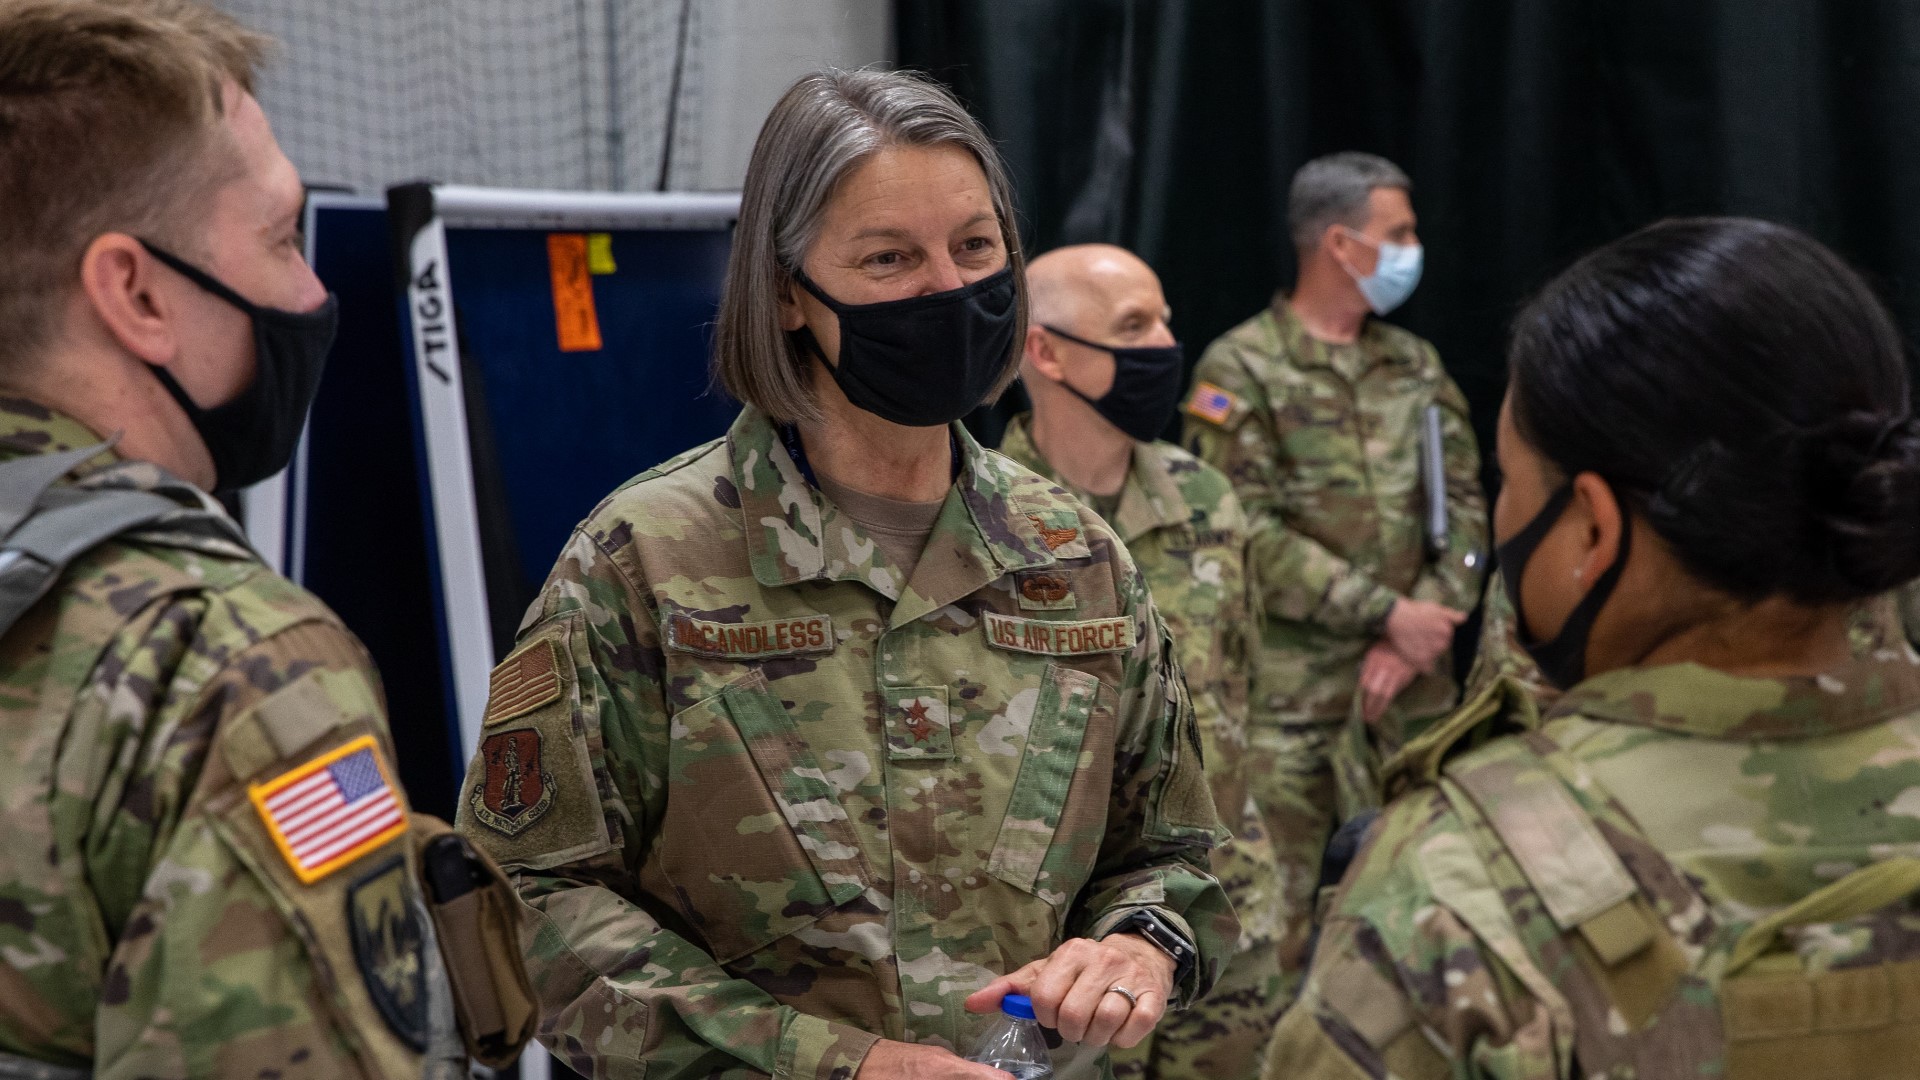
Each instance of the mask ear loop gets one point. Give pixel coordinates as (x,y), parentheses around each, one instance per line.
(1356,275)
(1108,349)
(1563,658)
(201,278)
(1521,546)
(1077,340)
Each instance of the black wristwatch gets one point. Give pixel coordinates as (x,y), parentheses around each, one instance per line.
(1165,938)
(1377,626)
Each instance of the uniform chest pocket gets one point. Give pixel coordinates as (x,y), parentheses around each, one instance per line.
(1056,815)
(755,840)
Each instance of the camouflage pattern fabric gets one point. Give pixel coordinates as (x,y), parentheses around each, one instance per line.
(149,924)
(1499,653)
(1719,799)
(1876,625)
(1181,522)
(767,802)
(1322,444)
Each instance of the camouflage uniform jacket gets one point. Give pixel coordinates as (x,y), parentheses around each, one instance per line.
(1183,526)
(767,802)
(1884,622)
(150,924)
(1725,799)
(1185,531)
(1323,445)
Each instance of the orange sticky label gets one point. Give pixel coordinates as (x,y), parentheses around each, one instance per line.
(573,310)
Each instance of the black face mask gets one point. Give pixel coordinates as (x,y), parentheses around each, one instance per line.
(1147,381)
(926,360)
(1563,660)
(252,437)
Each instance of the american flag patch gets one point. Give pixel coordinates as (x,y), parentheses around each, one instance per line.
(332,810)
(523,682)
(1211,403)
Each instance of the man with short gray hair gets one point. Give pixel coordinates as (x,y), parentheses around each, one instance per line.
(1315,409)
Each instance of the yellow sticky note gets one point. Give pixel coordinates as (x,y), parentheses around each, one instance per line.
(600,253)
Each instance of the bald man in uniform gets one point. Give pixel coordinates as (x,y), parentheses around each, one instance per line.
(1105,375)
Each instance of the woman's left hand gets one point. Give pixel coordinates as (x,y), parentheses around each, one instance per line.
(1071,989)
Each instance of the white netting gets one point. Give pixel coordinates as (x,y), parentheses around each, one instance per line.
(571,94)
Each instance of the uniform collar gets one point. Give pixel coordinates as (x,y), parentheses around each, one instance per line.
(1150,499)
(1309,351)
(795,534)
(1694,700)
(29,429)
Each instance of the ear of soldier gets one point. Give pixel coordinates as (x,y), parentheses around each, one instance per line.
(215,869)
(1691,843)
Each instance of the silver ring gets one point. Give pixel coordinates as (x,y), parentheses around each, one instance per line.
(1132,1000)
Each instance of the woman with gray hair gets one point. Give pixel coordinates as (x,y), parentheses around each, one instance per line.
(827,736)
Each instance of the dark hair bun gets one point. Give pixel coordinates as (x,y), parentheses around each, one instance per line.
(1868,499)
(1746,391)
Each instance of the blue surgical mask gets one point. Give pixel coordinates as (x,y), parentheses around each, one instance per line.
(1394,276)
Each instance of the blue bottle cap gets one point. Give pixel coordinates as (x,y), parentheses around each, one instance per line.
(1018,1006)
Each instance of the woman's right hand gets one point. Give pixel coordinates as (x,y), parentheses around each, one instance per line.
(1421,630)
(889,1060)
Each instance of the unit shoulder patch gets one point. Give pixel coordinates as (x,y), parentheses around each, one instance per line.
(515,788)
(1214,405)
(330,811)
(806,635)
(523,682)
(1058,638)
(389,943)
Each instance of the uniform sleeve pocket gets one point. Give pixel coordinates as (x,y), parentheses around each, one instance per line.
(754,838)
(532,798)
(1182,810)
(314,836)
(1044,847)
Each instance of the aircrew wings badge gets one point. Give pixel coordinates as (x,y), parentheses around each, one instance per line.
(330,811)
(1210,403)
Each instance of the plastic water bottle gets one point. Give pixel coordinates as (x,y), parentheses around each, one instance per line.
(1014,1044)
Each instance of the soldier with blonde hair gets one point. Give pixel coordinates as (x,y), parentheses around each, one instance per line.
(207,865)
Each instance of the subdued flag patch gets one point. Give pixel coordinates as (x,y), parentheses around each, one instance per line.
(330,811)
(1210,403)
(523,682)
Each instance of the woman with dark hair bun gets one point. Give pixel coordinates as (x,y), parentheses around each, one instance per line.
(1701,862)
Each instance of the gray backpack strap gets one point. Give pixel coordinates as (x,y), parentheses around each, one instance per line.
(24,480)
(40,548)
